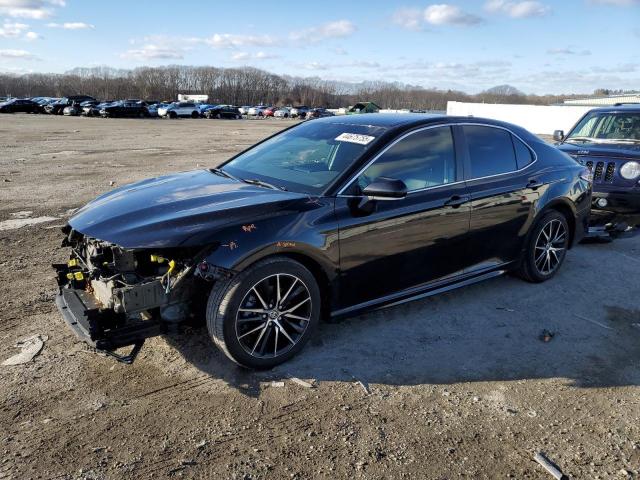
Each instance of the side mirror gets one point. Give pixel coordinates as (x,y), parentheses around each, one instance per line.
(558,135)
(384,188)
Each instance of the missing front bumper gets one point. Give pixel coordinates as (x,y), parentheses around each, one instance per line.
(100,329)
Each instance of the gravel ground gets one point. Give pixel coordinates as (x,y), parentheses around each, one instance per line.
(455,386)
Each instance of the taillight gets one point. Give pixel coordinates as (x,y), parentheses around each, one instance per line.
(586,175)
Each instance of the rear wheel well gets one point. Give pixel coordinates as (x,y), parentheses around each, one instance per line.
(566,211)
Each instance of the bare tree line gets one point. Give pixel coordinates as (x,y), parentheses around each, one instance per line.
(242,86)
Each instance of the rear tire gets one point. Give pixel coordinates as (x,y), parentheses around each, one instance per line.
(546,248)
(173,115)
(195,115)
(251,328)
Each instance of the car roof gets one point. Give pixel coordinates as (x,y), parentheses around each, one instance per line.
(628,107)
(406,121)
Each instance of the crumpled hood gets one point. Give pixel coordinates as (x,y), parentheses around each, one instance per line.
(175,210)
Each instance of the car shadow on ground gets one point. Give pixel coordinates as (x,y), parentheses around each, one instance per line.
(486,332)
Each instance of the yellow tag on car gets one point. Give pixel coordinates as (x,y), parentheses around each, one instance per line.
(78,276)
(73,262)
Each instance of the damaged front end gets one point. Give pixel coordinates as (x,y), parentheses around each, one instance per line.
(114,297)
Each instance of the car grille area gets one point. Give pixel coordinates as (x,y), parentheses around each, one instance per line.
(603,171)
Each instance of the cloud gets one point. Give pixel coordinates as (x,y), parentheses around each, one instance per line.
(337,29)
(243,56)
(436,14)
(409,18)
(445,14)
(568,51)
(619,3)
(72,26)
(228,40)
(32,36)
(152,51)
(35,9)
(12,30)
(524,9)
(17,54)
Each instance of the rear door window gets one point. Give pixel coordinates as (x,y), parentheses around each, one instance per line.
(491,151)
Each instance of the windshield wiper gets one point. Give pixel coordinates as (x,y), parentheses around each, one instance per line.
(255,181)
(580,139)
(224,174)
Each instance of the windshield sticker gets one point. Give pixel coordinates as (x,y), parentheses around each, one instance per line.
(355,138)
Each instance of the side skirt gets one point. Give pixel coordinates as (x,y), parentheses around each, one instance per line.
(417,293)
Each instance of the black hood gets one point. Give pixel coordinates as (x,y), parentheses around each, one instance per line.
(176,210)
(611,150)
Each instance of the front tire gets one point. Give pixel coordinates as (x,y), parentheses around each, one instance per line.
(546,248)
(263,316)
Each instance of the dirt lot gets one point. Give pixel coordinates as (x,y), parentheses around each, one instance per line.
(460,385)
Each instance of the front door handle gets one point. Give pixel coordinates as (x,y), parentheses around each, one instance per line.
(456,200)
(534,183)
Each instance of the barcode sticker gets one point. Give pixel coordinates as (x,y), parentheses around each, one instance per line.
(355,138)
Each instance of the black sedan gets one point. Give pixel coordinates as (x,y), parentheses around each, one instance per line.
(18,105)
(125,108)
(325,219)
(223,111)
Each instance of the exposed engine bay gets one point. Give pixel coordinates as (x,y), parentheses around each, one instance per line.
(118,296)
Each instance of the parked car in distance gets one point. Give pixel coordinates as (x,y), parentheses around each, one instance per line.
(257,111)
(244,110)
(299,111)
(18,105)
(607,141)
(179,109)
(223,111)
(318,113)
(304,225)
(72,110)
(91,108)
(283,112)
(269,111)
(56,108)
(153,108)
(43,103)
(124,108)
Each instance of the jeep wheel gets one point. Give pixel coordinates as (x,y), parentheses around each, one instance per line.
(264,315)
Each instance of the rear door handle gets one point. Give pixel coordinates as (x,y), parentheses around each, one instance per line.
(534,183)
(456,200)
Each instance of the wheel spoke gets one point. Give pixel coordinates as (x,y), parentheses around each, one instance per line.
(284,332)
(275,342)
(296,327)
(264,304)
(286,295)
(297,306)
(263,326)
(264,329)
(296,317)
(252,310)
(540,257)
(278,298)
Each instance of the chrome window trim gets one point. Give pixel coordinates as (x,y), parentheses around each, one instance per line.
(382,152)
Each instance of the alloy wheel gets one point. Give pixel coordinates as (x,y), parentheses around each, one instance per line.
(550,247)
(273,316)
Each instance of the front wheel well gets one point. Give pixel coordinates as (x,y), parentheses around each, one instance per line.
(316,270)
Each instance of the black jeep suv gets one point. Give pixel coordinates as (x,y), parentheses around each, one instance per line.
(607,141)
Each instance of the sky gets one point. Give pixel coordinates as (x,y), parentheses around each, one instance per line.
(569,46)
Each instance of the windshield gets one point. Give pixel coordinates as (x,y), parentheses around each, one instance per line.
(306,158)
(607,127)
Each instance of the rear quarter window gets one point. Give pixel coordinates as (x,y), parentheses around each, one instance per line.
(524,155)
